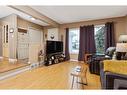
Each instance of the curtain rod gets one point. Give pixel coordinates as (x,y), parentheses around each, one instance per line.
(78,26)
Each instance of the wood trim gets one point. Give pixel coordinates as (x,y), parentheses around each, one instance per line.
(28,10)
(22,30)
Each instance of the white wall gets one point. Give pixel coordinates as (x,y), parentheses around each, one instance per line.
(52,32)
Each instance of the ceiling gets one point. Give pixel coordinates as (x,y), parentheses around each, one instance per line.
(5,11)
(69,14)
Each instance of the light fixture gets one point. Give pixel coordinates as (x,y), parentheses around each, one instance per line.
(11,30)
(121,47)
(123,38)
(32,18)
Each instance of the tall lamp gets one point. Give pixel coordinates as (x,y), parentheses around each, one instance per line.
(122,48)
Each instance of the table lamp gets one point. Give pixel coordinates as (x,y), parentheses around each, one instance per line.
(123,38)
(122,48)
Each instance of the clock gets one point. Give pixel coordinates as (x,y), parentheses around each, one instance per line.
(52,36)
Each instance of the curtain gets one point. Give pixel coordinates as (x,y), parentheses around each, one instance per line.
(81,43)
(67,45)
(87,41)
(109,35)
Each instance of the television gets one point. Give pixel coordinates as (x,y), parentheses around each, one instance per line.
(54,47)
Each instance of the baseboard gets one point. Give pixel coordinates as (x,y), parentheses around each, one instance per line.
(34,65)
(73,60)
(12,60)
(1,57)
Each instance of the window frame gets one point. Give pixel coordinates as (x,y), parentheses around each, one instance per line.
(101,25)
(70,48)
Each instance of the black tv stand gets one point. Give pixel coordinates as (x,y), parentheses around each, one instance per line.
(54,58)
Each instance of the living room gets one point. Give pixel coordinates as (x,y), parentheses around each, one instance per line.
(60,47)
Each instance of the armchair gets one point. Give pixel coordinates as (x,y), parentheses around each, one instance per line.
(120,84)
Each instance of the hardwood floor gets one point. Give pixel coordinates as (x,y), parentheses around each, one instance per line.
(5,65)
(51,77)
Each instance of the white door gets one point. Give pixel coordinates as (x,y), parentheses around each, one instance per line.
(5,40)
(23,45)
(35,44)
(0,40)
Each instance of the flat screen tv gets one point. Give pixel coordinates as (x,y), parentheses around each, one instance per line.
(54,47)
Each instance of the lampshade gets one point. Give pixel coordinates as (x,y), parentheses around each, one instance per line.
(121,47)
(123,38)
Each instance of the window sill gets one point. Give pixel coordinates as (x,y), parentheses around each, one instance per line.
(74,53)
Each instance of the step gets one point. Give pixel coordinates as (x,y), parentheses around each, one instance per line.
(14,72)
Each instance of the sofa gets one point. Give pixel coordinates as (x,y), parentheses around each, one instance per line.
(110,80)
(95,59)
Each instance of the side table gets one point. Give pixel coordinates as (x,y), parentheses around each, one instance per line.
(87,57)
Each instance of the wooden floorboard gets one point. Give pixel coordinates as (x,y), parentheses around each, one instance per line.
(50,77)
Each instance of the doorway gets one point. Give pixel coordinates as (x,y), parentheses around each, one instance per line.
(23,45)
(30,42)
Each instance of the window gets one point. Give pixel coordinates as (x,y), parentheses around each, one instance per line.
(100,38)
(74,40)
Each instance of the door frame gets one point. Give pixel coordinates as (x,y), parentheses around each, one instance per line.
(17,51)
(42,39)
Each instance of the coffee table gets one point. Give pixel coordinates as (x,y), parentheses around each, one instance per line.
(79,72)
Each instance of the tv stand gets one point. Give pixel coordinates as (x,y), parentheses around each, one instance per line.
(54,58)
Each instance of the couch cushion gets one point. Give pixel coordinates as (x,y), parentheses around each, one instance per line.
(116,66)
